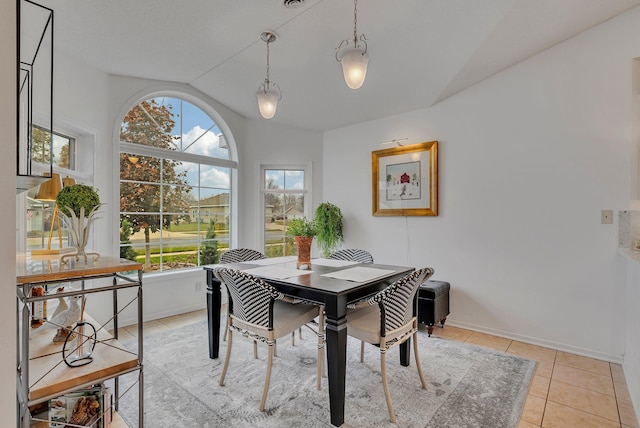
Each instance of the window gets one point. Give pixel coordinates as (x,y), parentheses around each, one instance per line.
(38,215)
(63,148)
(285,197)
(175,185)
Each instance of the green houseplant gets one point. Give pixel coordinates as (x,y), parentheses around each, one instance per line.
(78,204)
(328,227)
(303,230)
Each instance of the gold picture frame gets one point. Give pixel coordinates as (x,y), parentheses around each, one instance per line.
(399,175)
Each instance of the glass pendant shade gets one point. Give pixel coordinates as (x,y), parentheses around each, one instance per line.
(354,66)
(268,102)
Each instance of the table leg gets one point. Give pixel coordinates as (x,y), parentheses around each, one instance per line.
(337,360)
(213,313)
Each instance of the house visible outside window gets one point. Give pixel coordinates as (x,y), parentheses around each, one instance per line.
(175,186)
(39,214)
(285,193)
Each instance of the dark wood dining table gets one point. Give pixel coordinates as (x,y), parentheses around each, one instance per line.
(335,294)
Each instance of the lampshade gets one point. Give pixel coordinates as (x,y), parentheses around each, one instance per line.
(68,181)
(354,66)
(352,54)
(268,102)
(269,92)
(49,189)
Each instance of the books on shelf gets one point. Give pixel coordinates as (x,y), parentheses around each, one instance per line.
(87,407)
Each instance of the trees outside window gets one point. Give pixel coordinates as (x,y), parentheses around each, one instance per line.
(174,180)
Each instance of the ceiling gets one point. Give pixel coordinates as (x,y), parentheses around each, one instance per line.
(421,51)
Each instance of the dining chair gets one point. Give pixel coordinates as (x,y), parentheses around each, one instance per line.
(388,319)
(352,254)
(239,255)
(259,311)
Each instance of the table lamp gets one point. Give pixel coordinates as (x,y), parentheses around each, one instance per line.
(47,192)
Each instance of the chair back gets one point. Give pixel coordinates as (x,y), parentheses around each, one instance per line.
(396,301)
(353,255)
(252,297)
(238,255)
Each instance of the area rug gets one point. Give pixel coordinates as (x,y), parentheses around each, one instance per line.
(468,386)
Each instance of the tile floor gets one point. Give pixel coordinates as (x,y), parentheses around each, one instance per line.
(567,390)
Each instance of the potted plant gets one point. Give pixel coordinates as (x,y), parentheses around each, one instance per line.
(329,227)
(78,205)
(303,230)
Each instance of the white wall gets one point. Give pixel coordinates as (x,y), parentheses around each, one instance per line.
(528,158)
(7,225)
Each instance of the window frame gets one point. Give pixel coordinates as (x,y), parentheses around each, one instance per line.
(138,149)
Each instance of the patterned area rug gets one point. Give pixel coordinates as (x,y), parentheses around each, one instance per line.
(468,386)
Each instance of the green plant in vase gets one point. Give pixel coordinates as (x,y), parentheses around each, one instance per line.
(78,205)
(303,230)
(329,227)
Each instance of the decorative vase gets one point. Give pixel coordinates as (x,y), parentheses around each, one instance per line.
(304,252)
(79,228)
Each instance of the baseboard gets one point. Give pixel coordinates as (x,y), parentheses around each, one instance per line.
(612,358)
(162,314)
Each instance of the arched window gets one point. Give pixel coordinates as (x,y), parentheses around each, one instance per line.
(175,185)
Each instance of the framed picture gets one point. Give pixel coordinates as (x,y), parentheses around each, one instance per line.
(405,180)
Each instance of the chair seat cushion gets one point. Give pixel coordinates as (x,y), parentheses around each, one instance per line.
(287,317)
(364,324)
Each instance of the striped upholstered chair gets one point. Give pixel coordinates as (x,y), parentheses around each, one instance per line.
(239,255)
(387,319)
(262,313)
(353,255)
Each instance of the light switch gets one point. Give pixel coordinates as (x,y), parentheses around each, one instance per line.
(606,217)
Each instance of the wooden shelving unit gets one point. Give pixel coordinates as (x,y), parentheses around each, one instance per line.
(42,373)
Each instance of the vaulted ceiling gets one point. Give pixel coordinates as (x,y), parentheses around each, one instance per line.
(422,51)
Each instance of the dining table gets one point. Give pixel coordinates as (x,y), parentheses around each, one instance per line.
(332,283)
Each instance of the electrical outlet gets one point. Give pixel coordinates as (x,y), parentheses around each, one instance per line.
(606,217)
(199,286)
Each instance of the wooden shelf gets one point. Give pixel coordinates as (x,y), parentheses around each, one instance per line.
(116,422)
(50,377)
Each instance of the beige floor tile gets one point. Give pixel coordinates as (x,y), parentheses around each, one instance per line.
(533,410)
(123,334)
(525,424)
(583,379)
(622,392)
(559,416)
(453,333)
(544,368)
(148,327)
(583,363)
(627,414)
(533,352)
(181,320)
(489,341)
(539,386)
(617,372)
(599,404)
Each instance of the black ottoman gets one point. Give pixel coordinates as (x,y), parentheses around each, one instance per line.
(433,303)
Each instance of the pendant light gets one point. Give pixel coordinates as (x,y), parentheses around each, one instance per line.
(354,58)
(269,93)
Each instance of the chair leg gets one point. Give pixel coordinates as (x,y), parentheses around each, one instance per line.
(387,395)
(226,325)
(226,360)
(293,338)
(362,351)
(267,378)
(320,349)
(300,332)
(418,364)
(255,349)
